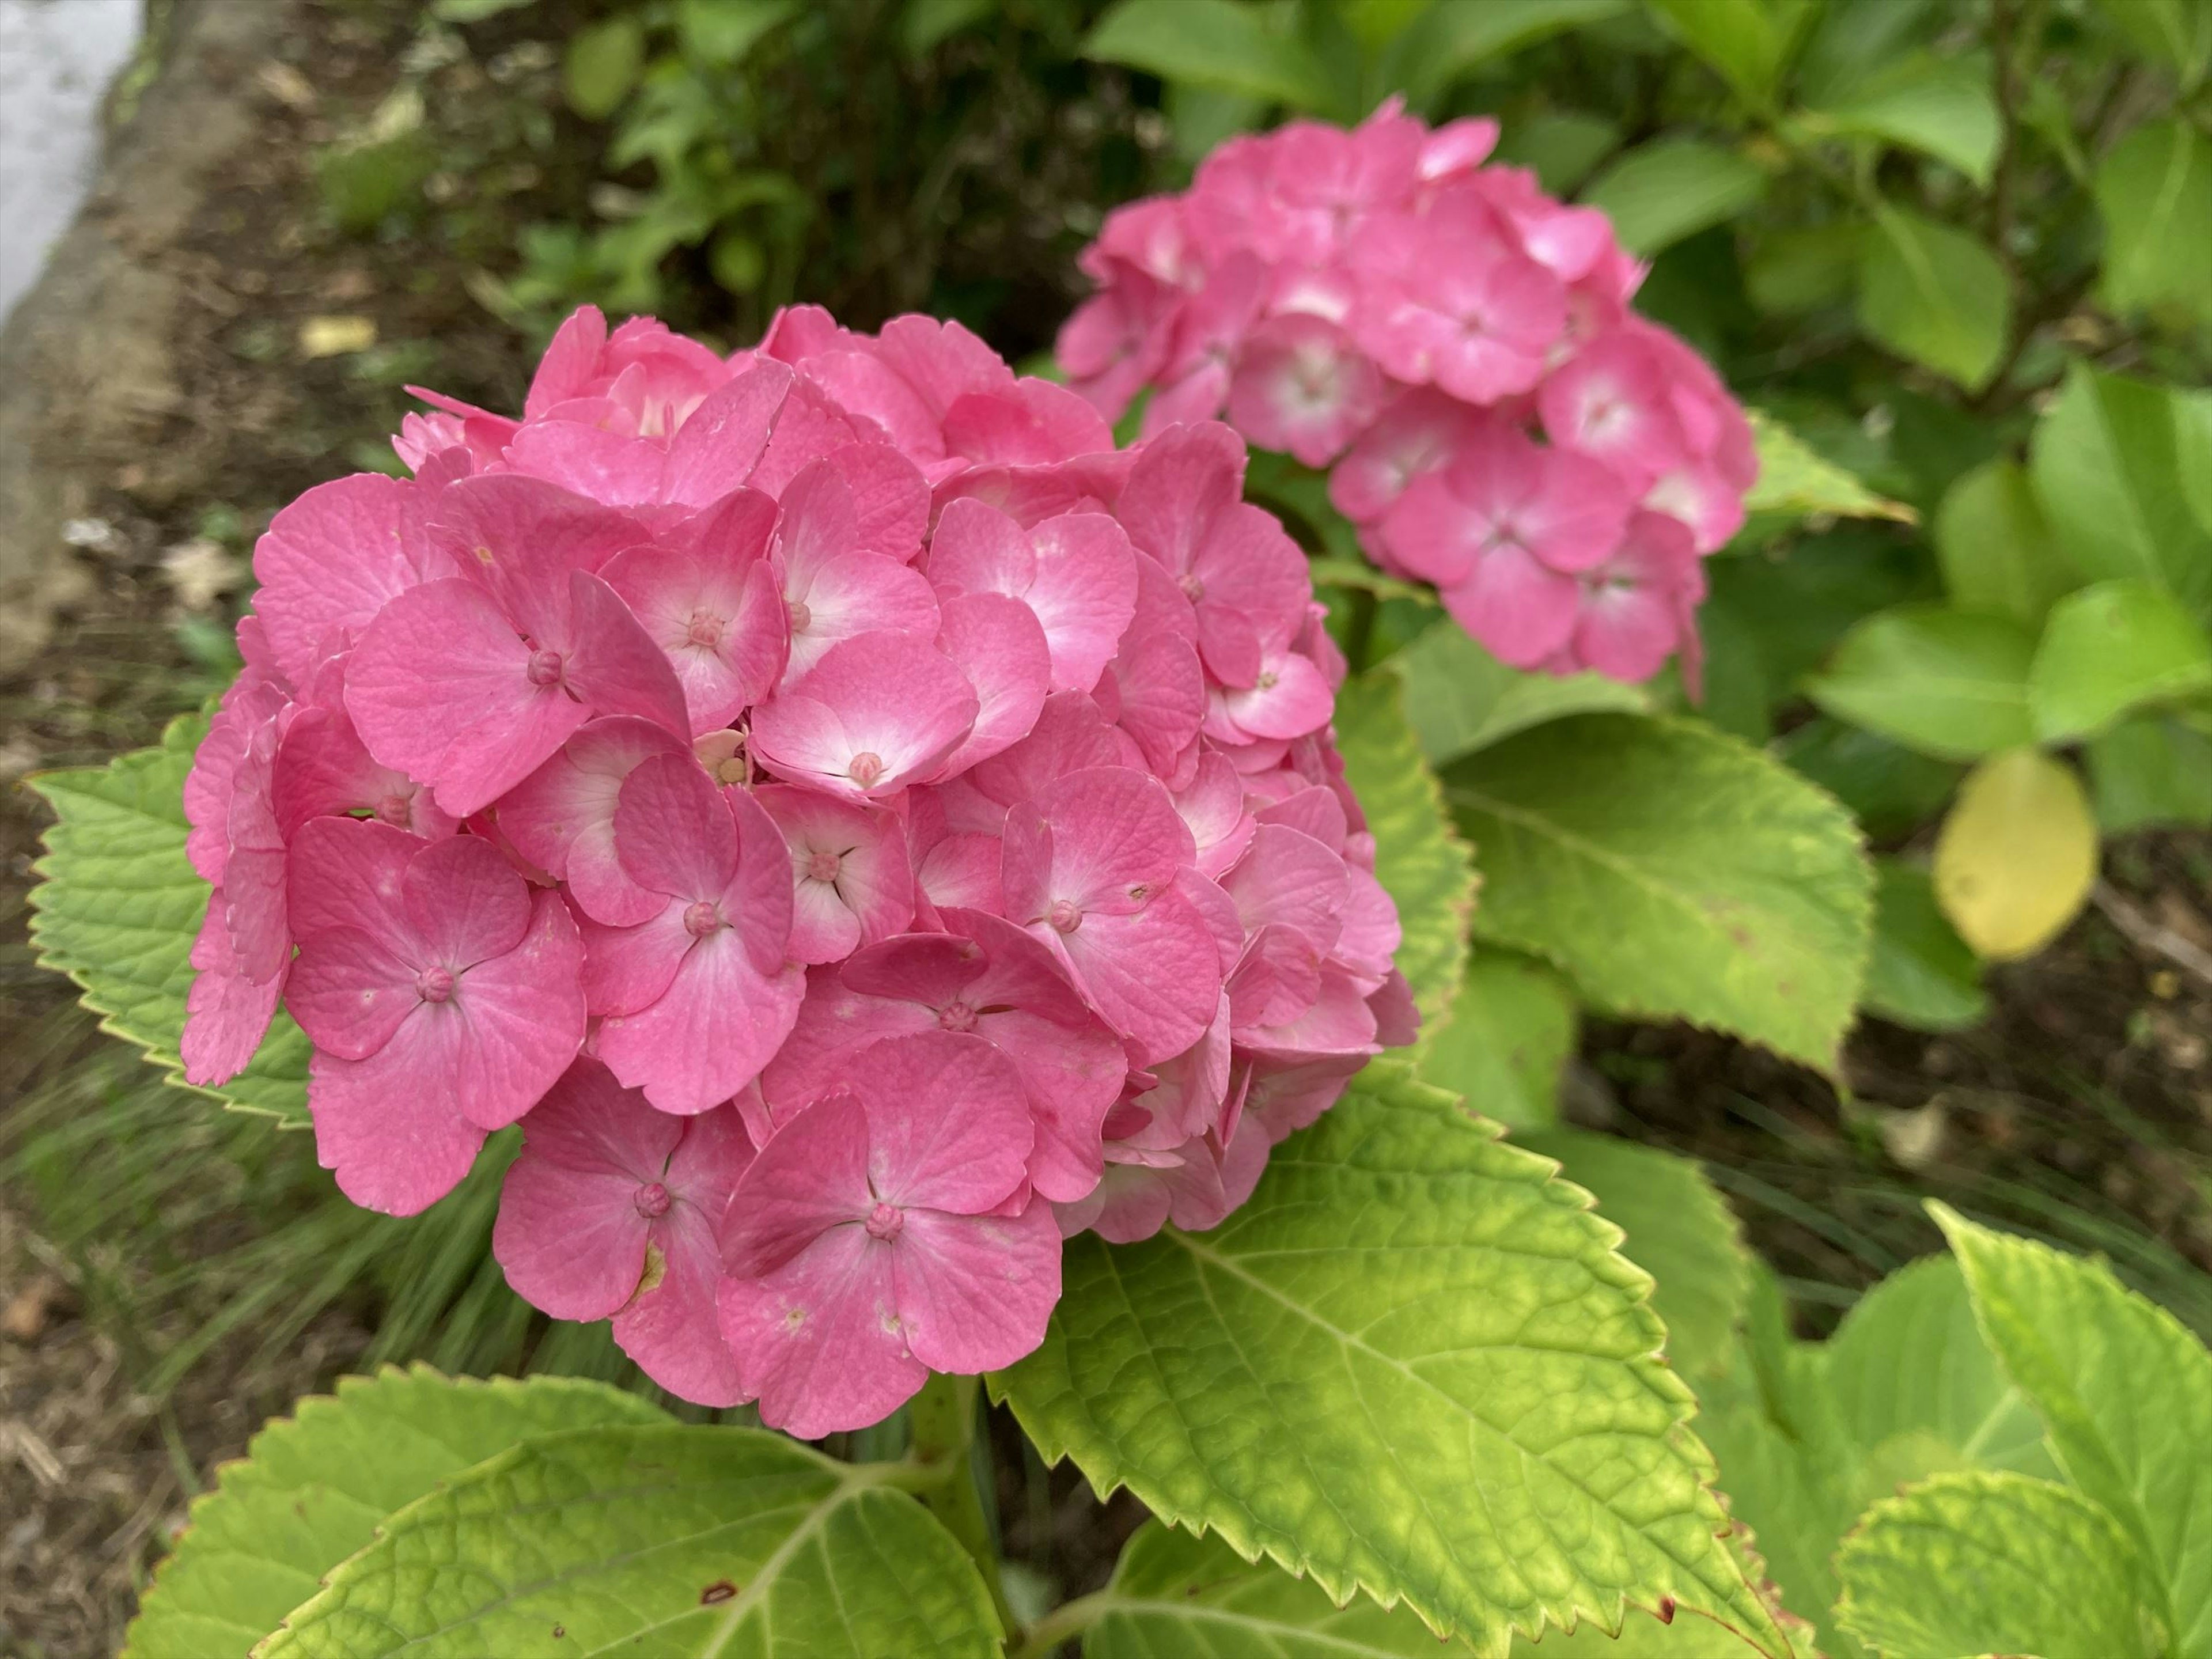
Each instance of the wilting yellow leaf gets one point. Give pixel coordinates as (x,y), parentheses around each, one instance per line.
(2018,854)
(336,336)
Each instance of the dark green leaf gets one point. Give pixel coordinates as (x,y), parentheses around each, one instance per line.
(1890,789)
(721,32)
(1461,698)
(1219,45)
(2151,770)
(1671,188)
(2176,33)
(1745,40)
(1996,549)
(927,23)
(2154,189)
(1510,1030)
(1951,683)
(1450,39)
(1562,148)
(1934,294)
(1922,973)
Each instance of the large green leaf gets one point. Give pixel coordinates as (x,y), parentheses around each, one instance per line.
(1671,188)
(1419,858)
(1940,107)
(1934,294)
(1997,548)
(2153,769)
(1950,684)
(1511,1027)
(2124,1392)
(1679,1230)
(1909,1360)
(118,906)
(673,1541)
(1673,871)
(1921,973)
(1448,40)
(2177,33)
(2107,465)
(1178,1597)
(2193,444)
(1891,790)
(1976,1563)
(2109,650)
(1460,697)
(1413,1364)
(1795,480)
(1214,44)
(1746,40)
(2154,189)
(312,1488)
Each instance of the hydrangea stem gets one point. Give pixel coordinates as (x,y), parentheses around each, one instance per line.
(941,1422)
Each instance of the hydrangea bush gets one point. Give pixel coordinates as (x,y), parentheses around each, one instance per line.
(1458,349)
(863,825)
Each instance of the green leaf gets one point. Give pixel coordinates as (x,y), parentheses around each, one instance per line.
(2126,1394)
(693,1540)
(1461,698)
(1510,1029)
(1934,294)
(1795,480)
(1792,271)
(2150,770)
(1743,40)
(1177,1596)
(1909,1359)
(2154,189)
(722,31)
(1673,872)
(119,905)
(1217,44)
(1671,188)
(1419,858)
(601,65)
(2109,650)
(312,1488)
(1977,1563)
(1562,146)
(1679,1230)
(474,11)
(1451,39)
(1890,789)
(1995,546)
(1412,1365)
(2107,461)
(2193,444)
(1951,683)
(928,23)
(1940,107)
(2178,33)
(1922,973)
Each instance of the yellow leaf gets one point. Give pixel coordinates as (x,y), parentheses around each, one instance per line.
(2017,855)
(336,336)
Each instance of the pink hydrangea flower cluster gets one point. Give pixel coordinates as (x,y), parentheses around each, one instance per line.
(862,825)
(1458,348)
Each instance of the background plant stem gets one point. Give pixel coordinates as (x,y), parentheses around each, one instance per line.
(942,1423)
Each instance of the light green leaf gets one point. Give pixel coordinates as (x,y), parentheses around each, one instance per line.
(2017,854)
(474,11)
(2126,1394)
(1671,188)
(1215,44)
(1673,872)
(601,65)
(1940,107)
(2107,461)
(2154,190)
(312,1488)
(119,905)
(1934,294)
(1743,40)
(2109,650)
(1792,272)
(2193,444)
(722,31)
(1922,973)
(1451,39)
(1679,1230)
(926,23)
(1951,683)
(1461,698)
(2177,33)
(1419,858)
(1510,1029)
(675,1540)
(1909,1359)
(1412,1365)
(2150,770)
(1562,146)
(1177,1596)
(1794,479)
(1996,547)
(1977,1563)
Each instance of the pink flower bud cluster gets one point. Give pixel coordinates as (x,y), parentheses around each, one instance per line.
(1458,348)
(863,826)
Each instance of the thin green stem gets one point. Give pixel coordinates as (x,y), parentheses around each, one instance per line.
(941,1423)
(1070,1619)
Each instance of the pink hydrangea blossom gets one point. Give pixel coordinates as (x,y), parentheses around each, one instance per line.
(862,824)
(1381,303)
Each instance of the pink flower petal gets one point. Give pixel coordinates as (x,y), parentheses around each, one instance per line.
(878,712)
(997,644)
(673,831)
(973,1292)
(561,817)
(810,1177)
(393,1147)
(948,1127)
(818,1341)
(720,1020)
(335,557)
(465,901)
(848,864)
